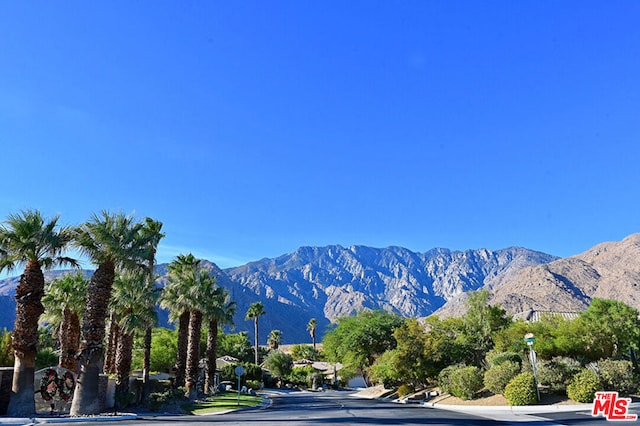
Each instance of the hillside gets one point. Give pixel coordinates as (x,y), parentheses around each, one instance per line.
(329,282)
(609,270)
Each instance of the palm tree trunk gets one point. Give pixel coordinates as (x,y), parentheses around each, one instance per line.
(25,340)
(123,368)
(112,344)
(69,340)
(256,339)
(193,353)
(212,349)
(183,341)
(85,398)
(146,362)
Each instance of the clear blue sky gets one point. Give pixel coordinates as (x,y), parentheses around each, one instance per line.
(250,128)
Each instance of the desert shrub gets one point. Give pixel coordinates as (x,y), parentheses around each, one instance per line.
(465,382)
(617,376)
(251,372)
(521,390)
(405,390)
(444,378)
(583,386)
(157,400)
(556,373)
(497,358)
(254,384)
(299,376)
(498,376)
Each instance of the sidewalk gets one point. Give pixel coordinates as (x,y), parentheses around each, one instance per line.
(36,420)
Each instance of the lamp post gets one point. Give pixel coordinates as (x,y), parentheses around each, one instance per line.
(530,339)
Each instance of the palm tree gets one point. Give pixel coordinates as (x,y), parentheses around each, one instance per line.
(274,339)
(134,302)
(311,327)
(219,311)
(112,241)
(202,290)
(255,311)
(64,305)
(28,239)
(175,298)
(152,231)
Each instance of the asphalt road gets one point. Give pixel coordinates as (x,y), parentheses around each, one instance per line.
(338,408)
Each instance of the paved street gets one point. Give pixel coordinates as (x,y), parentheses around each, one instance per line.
(303,408)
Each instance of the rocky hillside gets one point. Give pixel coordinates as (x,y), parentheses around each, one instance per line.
(329,282)
(609,270)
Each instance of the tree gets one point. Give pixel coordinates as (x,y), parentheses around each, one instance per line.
(300,351)
(219,311)
(133,301)
(255,311)
(279,364)
(311,327)
(236,345)
(112,241)
(357,341)
(610,328)
(481,321)
(28,239)
(274,339)
(64,303)
(176,297)
(152,233)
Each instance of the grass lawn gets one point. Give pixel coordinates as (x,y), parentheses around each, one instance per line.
(221,402)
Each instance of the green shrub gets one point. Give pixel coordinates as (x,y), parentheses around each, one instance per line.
(521,390)
(405,390)
(465,382)
(497,358)
(444,378)
(157,400)
(498,376)
(583,386)
(556,373)
(254,384)
(617,376)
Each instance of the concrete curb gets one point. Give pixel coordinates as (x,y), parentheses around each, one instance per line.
(37,420)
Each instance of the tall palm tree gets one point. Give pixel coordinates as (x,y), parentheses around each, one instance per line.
(176,298)
(134,302)
(311,327)
(28,239)
(112,241)
(203,289)
(274,339)
(152,231)
(64,301)
(255,311)
(219,311)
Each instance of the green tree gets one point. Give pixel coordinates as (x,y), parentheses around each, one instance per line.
(6,353)
(236,345)
(481,321)
(610,329)
(64,303)
(311,327)
(112,241)
(255,311)
(300,351)
(279,363)
(176,297)
(164,346)
(357,341)
(29,239)
(152,232)
(274,339)
(219,311)
(134,302)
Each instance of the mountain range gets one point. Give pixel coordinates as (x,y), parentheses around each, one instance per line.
(329,282)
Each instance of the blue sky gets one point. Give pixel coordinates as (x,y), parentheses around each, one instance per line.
(250,128)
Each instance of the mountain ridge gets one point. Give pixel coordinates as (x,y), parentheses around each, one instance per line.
(333,281)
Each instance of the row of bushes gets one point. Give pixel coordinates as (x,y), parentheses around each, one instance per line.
(509,376)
